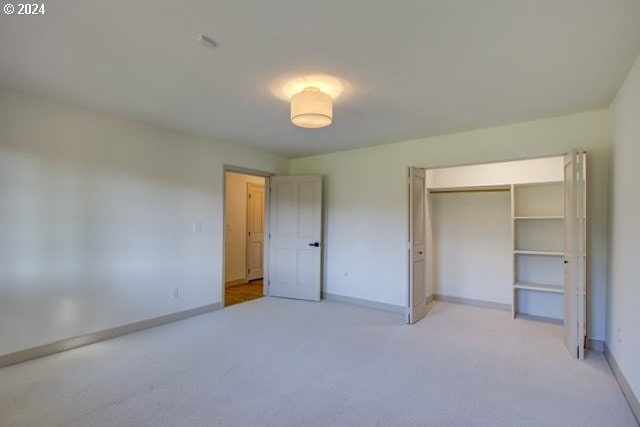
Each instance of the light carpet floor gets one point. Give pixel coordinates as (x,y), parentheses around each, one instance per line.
(278,362)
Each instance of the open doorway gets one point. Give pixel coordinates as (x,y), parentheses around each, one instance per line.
(244,237)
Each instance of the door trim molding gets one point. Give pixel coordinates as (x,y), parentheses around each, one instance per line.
(93,337)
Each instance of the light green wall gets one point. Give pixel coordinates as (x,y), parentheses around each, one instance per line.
(97,220)
(623,293)
(366,214)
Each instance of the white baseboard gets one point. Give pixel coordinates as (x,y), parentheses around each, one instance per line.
(398,309)
(632,400)
(474,302)
(90,338)
(240,281)
(595,345)
(540,318)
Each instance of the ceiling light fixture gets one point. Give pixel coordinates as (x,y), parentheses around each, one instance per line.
(311,108)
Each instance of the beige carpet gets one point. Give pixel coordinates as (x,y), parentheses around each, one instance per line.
(278,362)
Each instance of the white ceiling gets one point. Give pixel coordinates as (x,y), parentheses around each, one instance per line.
(416,68)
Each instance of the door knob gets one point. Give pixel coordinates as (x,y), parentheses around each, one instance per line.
(315,244)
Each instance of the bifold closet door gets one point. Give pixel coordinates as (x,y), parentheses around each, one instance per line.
(418,298)
(575,252)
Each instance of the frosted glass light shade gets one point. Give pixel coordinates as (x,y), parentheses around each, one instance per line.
(311,109)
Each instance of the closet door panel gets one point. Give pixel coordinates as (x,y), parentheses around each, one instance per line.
(575,253)
(417,247)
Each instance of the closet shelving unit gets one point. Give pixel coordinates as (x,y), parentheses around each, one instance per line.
(537,211)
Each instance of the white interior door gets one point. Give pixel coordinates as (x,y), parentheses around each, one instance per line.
(255,230)
(575,253)
(295,227)
(418,295)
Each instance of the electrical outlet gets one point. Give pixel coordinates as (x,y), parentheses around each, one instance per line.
(197,227)
(175,293)
(619,336)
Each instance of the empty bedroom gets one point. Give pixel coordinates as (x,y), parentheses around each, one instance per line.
(319,213)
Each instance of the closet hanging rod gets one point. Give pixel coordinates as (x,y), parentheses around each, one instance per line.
(470,190)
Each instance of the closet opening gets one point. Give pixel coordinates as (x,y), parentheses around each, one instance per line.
(507,235)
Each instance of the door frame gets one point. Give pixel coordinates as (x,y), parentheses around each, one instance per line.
(265,259)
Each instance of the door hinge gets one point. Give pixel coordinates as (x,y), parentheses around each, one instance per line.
(268,282)
(249,195)
(249,233)
(248,270)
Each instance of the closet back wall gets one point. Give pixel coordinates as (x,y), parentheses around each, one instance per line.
(472,245)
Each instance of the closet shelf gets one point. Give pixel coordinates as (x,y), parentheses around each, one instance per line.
(538,184)
(539,287)
(544,253)
(537,232)
(539,217)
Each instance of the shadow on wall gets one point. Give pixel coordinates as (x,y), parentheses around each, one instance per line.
(84,245)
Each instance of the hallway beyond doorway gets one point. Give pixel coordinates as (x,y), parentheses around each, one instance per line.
(242,293)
